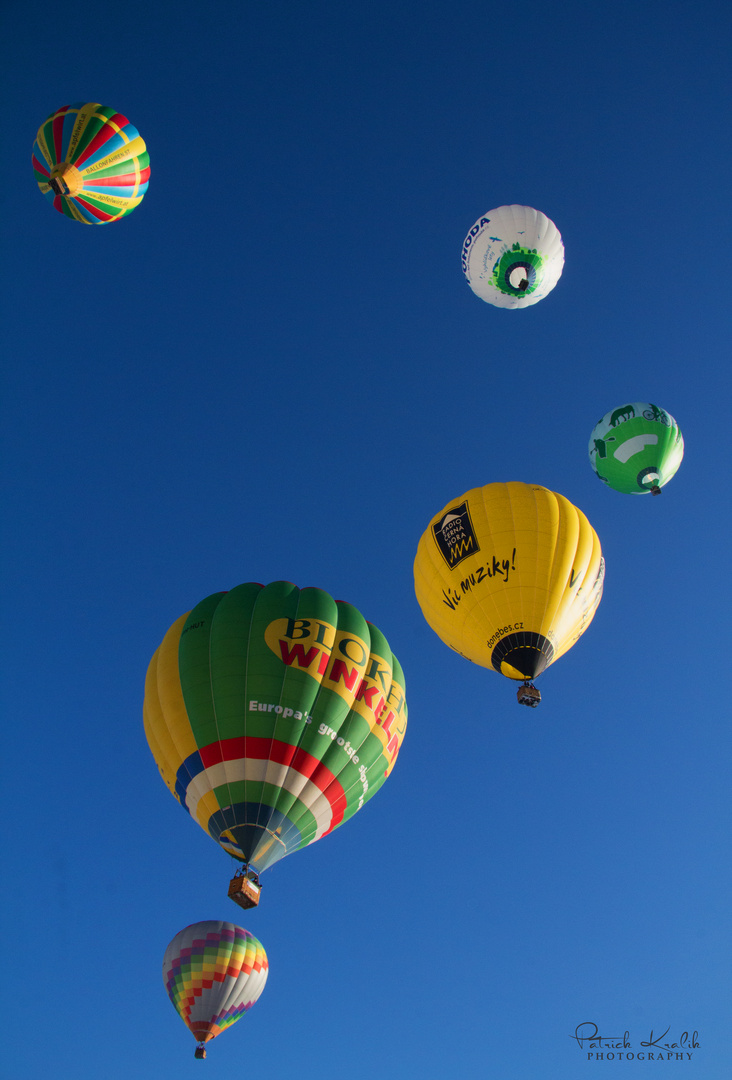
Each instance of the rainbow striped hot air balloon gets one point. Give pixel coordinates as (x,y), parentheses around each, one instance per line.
(91,163)
(213,973)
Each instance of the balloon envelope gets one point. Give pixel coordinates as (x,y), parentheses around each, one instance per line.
(273,714)
(91,163)
(509,575)
(213,973)
(636,448)
(513,256)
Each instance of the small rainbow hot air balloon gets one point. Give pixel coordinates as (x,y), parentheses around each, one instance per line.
(213,972)
(91,163)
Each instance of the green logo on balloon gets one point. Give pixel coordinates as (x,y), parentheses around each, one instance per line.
(518,271)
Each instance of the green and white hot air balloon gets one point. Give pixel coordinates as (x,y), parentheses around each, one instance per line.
(513,256)
(636,448)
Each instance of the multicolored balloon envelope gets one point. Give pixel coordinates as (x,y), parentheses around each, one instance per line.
(513,256)
(274,713)
(213,972)
(636,448)
(509,575)
(91,163)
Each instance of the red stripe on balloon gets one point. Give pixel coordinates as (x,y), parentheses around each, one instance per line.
(128,180)
(58,130)
(101,214)
(281,753)
(39,166)
(103,135)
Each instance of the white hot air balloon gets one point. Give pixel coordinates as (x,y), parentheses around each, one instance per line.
(513,256)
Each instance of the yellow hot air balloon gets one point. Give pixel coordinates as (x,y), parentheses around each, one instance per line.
(509,575)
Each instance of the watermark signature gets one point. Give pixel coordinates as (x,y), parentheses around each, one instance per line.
(664,1047)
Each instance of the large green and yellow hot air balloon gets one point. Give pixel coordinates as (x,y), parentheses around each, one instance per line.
(274,714)
(214,972)
(91,163)
(636,448)
(509,575)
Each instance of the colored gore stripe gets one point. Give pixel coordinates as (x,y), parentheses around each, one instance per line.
(258,749)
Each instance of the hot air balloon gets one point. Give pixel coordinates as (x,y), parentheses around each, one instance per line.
(513,256)
(509,576)
(273,714)
(91,163)
(213,972)
(636,448)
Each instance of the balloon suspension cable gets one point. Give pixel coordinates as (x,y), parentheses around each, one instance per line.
(528,695)
(245,871)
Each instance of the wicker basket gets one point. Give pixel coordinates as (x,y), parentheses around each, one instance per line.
(244,892)
(528,695)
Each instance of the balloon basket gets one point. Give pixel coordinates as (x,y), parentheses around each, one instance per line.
(66,180)
(244,889)
(200,1053)
(528,695)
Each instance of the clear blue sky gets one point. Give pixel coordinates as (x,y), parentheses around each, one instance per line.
(274,369)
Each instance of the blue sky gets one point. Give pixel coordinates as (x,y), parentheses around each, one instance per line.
(274,369)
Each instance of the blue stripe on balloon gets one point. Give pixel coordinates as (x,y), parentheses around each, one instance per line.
(69,120)
(41,156)
(116,142)
(118,192)
(191,767)
(86,214)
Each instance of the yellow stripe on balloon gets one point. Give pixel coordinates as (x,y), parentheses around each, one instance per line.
(43,147)
(208,804)
(75,211)
(85,115)
(170,718)
(134,149)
